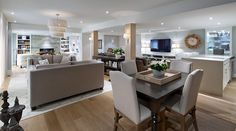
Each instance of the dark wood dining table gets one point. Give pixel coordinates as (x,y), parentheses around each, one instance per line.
(152,95)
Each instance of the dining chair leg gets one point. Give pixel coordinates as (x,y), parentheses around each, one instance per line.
(116,120)
(193,113)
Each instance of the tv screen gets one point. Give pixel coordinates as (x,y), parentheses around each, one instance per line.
(160,45)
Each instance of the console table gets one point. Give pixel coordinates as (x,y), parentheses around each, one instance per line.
(108,62)
(159,56)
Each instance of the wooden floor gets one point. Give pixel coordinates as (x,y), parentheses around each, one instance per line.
(5,84)
(93,114)
(78,117)
(96,114)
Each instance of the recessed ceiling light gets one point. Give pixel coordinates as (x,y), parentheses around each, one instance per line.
(179,27)
(210,18)
(218,23)
(81,22)
(162,23)
(107,12)
(14,21)
(12,13)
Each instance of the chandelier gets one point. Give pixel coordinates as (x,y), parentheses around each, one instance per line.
(57,27)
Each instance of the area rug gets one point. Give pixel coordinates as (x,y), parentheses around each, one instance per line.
(18,87)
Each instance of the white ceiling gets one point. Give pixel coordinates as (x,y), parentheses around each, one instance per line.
(223,16)
(148,14)
(197,19)
(89,11)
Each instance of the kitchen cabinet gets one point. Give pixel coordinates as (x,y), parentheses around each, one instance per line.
(217,72)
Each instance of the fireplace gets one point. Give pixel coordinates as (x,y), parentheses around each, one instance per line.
(43,51)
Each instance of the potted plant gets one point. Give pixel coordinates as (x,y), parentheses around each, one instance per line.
(159,68)
(118,52)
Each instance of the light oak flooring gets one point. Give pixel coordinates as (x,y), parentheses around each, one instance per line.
(5,84)
(93,114)
(96,114)
(222,107)
(84,114)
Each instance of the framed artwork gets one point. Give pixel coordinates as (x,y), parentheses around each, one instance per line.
(193,41)
(99,44)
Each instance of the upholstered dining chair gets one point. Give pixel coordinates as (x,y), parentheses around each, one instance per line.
(129,67)
(181,65)
(182,108)
(126,102)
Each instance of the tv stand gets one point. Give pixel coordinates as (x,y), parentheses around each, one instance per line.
(159,56)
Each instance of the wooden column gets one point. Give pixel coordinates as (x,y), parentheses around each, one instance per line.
(130,33)
(94,36)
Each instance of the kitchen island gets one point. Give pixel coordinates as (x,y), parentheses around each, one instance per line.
(217,72)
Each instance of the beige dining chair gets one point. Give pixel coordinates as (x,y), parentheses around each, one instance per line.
(182,108)
(129,67)
(181,65)
(126,102)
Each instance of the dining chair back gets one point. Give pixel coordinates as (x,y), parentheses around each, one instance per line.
(129,67)
(181,65)
(190,91)
(124,95)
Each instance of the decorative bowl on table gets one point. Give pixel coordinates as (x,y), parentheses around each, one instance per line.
(157,73)
(159,68)
(117,56)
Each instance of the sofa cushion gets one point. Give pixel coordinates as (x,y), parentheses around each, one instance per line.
(43,62)
(52,65)
(65,59)
(57,58)
(49,57)
(36,60)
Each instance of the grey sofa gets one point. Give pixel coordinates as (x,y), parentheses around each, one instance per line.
(55,83)
(52,59)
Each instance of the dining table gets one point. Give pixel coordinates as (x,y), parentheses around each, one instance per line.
(152,95)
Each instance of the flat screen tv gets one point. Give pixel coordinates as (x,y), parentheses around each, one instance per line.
(160,45)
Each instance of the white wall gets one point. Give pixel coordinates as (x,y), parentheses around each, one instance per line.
(177,38)
(3,47)
(115,41)
(138,45)
(86,47)
(110,41)
(122,42)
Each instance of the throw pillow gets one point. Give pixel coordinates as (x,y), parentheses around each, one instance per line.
(43,62)
(65,59)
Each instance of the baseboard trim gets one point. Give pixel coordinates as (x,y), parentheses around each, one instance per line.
(9,72)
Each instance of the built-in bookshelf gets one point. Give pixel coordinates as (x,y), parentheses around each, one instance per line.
(23,44)
(65,45)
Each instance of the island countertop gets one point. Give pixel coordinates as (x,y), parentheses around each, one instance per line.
(212,57)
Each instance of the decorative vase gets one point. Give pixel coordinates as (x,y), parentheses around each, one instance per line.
(117,56)
(157,73)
